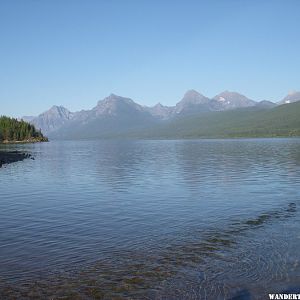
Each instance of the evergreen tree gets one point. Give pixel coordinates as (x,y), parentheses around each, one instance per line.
(13,130)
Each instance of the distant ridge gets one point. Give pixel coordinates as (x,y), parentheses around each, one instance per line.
(279,121)
(116,114)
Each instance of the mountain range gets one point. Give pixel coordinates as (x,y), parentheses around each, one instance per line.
(120,116)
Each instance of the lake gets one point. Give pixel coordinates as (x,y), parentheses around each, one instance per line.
(184,219)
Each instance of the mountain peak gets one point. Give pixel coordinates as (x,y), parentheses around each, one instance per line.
(193,97)
(114,104)
(293,96)
(58,111)
(52,119)
(232,100)
(160,111)
(229,94)
(192,93)
(114,98)
(265,104)
(58,108)
(159,105)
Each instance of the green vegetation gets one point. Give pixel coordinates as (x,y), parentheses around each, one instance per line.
(12,130)
(281,121)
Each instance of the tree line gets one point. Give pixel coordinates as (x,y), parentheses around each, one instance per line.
(14,130)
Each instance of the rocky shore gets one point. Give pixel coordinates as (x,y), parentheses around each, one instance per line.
(7,157)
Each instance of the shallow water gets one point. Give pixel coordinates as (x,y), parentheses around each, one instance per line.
(204,219)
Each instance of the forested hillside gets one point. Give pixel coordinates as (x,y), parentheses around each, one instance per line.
(12,130)
(281,121)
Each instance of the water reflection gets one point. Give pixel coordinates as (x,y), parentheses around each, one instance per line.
(156,219)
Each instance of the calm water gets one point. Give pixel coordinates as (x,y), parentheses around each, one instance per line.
(207,219)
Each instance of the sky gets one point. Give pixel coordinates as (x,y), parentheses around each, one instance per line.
(76,52)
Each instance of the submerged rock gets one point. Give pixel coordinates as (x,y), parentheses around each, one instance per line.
(7,157)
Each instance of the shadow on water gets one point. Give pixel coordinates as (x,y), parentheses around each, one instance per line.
(242,295)
(142,275)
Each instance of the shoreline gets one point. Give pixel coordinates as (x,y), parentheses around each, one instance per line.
(30,141)
(8,157)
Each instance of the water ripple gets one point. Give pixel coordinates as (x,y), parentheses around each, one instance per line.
(211,219)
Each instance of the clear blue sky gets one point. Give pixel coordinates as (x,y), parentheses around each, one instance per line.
(73,53)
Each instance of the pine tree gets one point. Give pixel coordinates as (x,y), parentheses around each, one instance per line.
(13,130)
